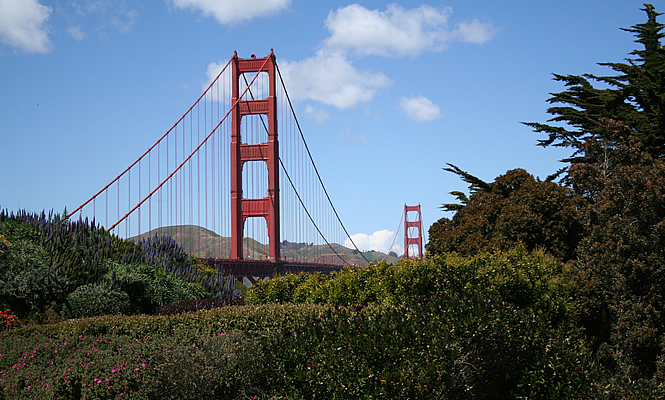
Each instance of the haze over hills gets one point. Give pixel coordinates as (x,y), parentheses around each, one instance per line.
(204,243)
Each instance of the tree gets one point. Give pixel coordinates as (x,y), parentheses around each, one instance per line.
(617,132)
(621,300)
(635,95)
(515,208)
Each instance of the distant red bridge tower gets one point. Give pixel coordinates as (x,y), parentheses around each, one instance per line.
(413,231)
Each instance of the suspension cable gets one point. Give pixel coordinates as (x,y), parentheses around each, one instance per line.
(396,233)
(286,172)
(153,146)
(187,159)
(314,165)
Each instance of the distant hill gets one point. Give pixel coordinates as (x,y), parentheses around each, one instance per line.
(204,243)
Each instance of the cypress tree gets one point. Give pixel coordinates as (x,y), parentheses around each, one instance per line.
(634,95)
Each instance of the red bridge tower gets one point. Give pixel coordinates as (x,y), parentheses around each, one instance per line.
(413,231)
(267,207)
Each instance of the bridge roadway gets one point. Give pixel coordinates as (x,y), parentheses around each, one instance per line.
(253,269)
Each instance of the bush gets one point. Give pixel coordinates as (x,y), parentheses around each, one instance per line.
(515,208)
(8,321)
(29,282)
(448,346)
(94,300)
(197,305)
(225,366)
(532,280)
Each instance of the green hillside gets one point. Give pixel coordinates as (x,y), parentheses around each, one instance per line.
(205,243)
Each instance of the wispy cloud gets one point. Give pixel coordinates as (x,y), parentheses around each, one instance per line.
(475,32)
(348,137)
(420,109)
(124,22)
(22,25)
(230,12)
(318,115)
(329,76)
(75,32)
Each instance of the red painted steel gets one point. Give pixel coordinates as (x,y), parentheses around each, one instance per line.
(412,240)
(267,207)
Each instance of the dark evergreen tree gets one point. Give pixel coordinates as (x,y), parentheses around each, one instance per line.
(515,208)
(634,96)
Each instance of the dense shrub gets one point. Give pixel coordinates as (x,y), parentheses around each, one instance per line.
(45,259)
(29,282)
(225,366)
(8,321)
(453,347)
(532,280)
(621,302)
(92,300)
(151,286)
(197,305)
(448,346)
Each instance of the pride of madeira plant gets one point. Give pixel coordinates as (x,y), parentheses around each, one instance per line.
(49,261)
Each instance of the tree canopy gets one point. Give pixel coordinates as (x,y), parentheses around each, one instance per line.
(515,208)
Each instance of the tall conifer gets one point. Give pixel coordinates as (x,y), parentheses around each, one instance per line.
(635,96)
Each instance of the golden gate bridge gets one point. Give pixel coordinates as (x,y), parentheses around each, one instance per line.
(233,182)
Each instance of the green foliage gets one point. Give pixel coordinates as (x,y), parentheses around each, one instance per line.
(225,366)
(92,300)
(43,260)
(448,346)
(196,305)
(28,281)
(151,286)
(528,280)
(453,347)
(515,208)
(535,281)
(622,296)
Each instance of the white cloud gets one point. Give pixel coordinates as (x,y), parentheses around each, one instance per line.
(379,241)
(234,11)
(22,25)
(76,33)
(420,109)
(318,115)
(398,32)
(214,68)
(475,32)
(331,79)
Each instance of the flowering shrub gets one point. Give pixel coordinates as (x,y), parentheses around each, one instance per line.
(44,259)
(8,321)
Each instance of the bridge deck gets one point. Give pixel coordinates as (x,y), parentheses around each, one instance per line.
(264,268)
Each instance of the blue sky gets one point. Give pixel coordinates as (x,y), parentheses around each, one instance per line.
(386,93)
